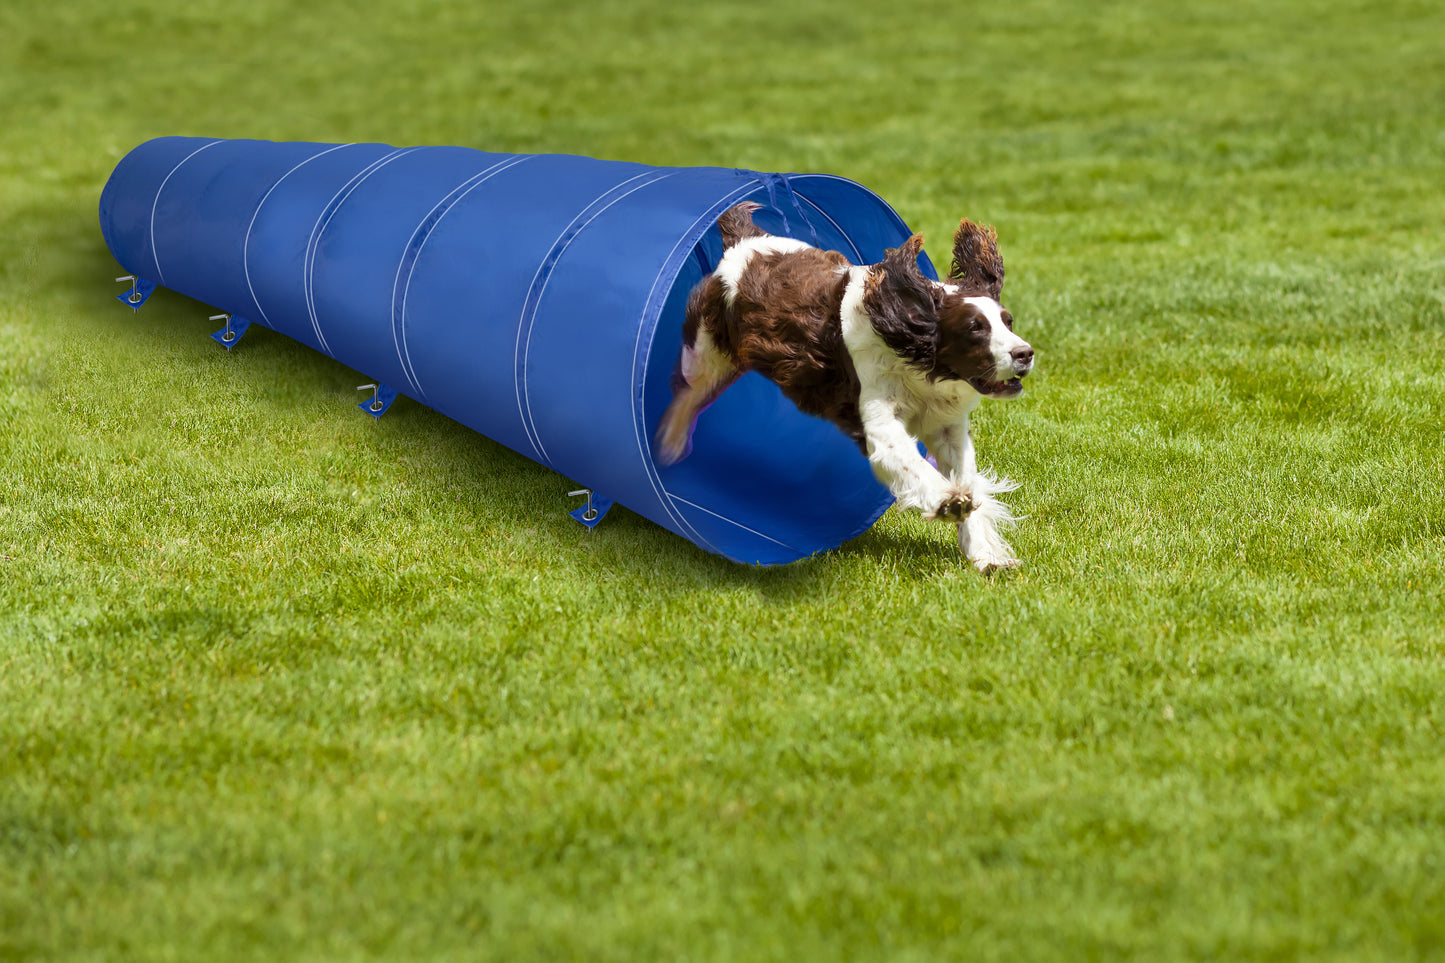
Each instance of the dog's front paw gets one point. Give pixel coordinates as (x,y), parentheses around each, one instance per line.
(955,506)
(989,565)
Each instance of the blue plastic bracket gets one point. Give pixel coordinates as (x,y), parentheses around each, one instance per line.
(380,400)
(140,291)
(231,333)
(595,509)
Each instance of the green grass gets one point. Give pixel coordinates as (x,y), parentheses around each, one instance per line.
(278,682)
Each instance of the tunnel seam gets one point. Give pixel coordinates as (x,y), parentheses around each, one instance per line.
(323,221)
(155,254)
(246,244)
(411,256)
(532,304)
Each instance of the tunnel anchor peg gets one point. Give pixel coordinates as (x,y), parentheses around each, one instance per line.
(231,333)
(593,512)
(140,290)
(381,399)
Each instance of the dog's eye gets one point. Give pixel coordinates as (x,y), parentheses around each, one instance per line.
(1008,320)
(979,324)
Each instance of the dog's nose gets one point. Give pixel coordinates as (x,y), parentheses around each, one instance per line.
(1023,356)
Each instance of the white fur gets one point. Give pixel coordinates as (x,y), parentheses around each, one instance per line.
(900,406)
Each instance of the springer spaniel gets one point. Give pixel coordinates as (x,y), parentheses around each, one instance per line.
(887,355)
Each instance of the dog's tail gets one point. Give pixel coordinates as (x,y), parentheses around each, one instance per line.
(736,224)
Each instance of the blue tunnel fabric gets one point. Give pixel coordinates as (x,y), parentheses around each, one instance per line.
(537,299)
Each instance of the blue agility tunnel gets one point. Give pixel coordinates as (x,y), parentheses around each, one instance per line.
(537,299)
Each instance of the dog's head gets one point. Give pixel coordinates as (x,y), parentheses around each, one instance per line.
(955,330)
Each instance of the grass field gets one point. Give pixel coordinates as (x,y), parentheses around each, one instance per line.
(277,682)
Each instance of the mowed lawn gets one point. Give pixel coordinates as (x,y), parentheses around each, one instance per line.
(281,682)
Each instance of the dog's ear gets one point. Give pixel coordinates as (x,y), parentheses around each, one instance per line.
(977,265)
(903,304)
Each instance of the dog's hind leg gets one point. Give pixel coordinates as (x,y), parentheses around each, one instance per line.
(704,372)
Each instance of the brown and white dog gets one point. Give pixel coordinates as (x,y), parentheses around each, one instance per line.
(887,355)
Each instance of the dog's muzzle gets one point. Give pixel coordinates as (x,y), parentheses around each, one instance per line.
(1021,360)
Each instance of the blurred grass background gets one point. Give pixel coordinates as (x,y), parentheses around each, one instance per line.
(277,682)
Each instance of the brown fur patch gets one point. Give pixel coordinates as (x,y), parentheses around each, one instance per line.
(785,324)
(705,302)
(977,266)
(902,304)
